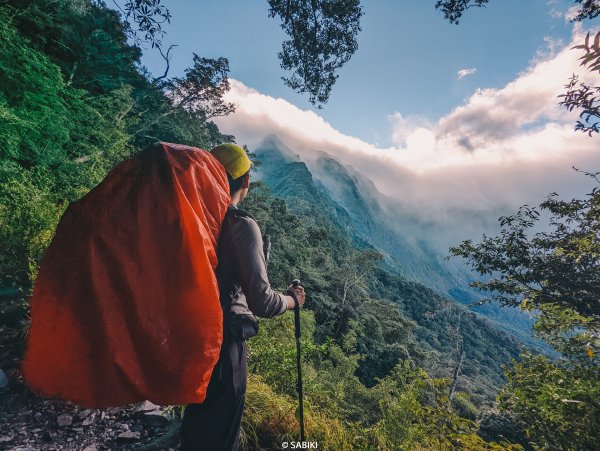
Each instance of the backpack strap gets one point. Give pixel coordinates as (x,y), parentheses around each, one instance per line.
(233,210)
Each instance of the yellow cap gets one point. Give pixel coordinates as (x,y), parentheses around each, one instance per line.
(233,158)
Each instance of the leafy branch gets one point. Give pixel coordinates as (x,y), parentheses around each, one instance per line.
(582,96)
(148,18)
(322,39)
(454,9)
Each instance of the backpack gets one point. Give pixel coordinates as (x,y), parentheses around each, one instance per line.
(126,306)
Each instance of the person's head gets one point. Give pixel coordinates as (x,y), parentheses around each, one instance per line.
(237,166)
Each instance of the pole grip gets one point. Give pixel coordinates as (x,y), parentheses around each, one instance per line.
(292,293)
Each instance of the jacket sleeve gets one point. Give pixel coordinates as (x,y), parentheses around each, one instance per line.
(251,267)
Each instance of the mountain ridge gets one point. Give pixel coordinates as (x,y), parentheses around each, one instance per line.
(352,201)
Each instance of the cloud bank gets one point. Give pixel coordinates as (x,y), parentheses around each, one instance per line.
(498,150)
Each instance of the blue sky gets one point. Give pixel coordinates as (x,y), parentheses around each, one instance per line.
(407,61)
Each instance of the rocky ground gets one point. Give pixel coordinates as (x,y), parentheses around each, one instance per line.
(29,423)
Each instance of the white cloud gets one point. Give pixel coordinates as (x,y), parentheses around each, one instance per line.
(571,13)
(403,126)
(493,116)
(464,72)
(557,11)
(498,150)
(552,47)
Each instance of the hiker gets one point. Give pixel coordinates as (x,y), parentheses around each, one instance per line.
(245,293)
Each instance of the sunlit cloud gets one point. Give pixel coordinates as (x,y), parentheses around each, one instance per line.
(571,13)
(495,116)
(464,72)
(403,126)
(500,149)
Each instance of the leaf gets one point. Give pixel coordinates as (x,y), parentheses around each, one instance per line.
(587,40)
(590,352)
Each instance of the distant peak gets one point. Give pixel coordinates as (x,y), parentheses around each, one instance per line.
(273,145)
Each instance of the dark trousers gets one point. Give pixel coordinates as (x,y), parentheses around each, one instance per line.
(215,424)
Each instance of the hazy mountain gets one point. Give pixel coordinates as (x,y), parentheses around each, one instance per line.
(371,219)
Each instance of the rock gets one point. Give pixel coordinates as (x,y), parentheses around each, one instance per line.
(88,420)
(64,420)
(128,436)
(84,414)
(124,426)
(146,406)
(6,438)
(91,447)
(78,430)
(3,379)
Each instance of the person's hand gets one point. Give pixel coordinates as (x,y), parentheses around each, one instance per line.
(300,295)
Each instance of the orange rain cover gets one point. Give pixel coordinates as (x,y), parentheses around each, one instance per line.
(126,304)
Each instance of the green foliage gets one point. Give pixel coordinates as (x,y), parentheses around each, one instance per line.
(558,403)
(368,325)
(148,17)
(418,416)
(28,217)
(73,105)
(269,419)
(405,410)
(58,143)
(498,426)
(273,352)
(554,274)
(201,91)
(361,369)
(85,39)
(581,95)
(464,407)
(453,9)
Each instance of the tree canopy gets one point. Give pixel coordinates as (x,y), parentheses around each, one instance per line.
(322,39)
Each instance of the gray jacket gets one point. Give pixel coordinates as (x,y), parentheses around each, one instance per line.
(242,269)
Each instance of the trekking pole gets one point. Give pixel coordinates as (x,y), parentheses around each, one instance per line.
(296,283)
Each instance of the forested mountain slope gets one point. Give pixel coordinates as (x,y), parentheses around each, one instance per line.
(372,220)
(432,330)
